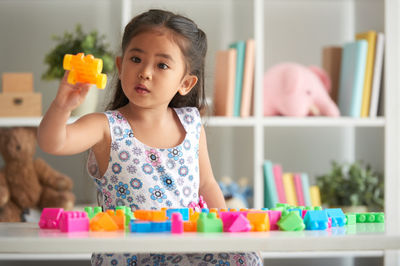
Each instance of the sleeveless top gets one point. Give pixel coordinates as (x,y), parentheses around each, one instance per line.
(145,177)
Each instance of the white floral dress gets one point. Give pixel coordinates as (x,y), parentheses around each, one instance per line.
(144,177)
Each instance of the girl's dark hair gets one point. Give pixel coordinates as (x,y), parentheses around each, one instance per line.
(192,42)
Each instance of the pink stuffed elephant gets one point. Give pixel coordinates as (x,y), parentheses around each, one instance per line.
(291,89)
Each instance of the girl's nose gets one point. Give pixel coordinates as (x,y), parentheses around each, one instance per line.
(145,75)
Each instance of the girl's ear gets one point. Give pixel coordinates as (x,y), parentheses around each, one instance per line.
(187,84)
(118,63)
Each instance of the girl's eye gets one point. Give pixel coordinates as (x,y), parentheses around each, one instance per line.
(135,59)
(162,66)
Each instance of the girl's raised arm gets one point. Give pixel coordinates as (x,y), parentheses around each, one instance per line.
(55,136)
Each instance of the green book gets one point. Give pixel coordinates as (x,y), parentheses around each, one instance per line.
(270,193)
(240,47)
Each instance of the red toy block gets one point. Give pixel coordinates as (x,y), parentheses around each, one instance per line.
(50,218)
(74,221)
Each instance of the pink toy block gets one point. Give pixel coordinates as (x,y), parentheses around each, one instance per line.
(241,224)
(227,219)
(274,217)
(50,218)
(74,221)
(176,223)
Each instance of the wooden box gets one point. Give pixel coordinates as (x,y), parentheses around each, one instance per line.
(20,104)
(17,82)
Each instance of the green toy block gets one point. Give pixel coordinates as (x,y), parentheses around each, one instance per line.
(351,218)
(128,214)
(278,209)
(283,205)
(92,213)
(291,222)
(370,217)
(209,223)
(317,208)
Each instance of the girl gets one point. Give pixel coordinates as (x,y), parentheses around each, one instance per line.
(149,150)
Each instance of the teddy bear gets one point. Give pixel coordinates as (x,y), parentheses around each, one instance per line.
(27,182)
(292,89)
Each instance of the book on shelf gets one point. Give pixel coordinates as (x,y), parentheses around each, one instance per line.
(370,37)
(306,189)
(290,190)
(277,169)
(377,76)
(270,194)
(299,189)
(315,196)
(240,47)
(248,79)
(352,74)
(331,60)
(224,82)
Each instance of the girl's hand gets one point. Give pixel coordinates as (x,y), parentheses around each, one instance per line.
(70,96)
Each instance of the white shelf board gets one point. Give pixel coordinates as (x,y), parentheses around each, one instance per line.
(323,122)
(323,254)
(220,121)
(25,121)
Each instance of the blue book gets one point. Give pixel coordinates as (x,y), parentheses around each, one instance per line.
(352,73)
(306,189)
(240,57)
(270,193)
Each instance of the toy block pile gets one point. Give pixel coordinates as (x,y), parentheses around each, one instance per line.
(18,97)
(283,217)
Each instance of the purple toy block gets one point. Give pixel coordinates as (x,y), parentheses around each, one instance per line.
(274,217)
(50,218)
(74,221)
(176,223)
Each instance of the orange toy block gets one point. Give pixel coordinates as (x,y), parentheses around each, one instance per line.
(259,221)
(103,222)
(190,226)
(119,218)
(85,69)
(144,215)
(160,216)
(151,215)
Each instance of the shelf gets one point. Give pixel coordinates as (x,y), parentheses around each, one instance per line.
(28,238)
(294,122)
(25,121)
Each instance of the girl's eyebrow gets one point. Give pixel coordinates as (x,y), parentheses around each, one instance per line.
(166,56)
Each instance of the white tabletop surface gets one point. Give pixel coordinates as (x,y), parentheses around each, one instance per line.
(28,238)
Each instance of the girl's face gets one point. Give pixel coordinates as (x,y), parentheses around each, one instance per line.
(153,70)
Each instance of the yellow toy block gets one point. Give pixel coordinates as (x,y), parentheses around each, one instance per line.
(85,69)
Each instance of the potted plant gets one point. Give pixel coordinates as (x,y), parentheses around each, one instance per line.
(75,42)
(350,185)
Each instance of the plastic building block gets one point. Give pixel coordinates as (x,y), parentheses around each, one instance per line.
(103,222)
(337,217)
(176,223)
(74,221)
(259,221)
(351,218)
(119,218)
(316,220)
(291,222)
(370,217)
(209,223)
(183,211)
(160,227)
(190,226)
(85,69)
(151,215)
(128,214)
(274,217)
(240,224)
(92,212)
(50,218)
(140,226)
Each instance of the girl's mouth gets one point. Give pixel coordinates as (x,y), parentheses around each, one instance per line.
(141,89)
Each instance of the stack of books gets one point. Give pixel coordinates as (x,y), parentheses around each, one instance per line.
(234,80)
(291,188)
(356,73)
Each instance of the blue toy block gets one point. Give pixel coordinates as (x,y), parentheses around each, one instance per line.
(337,216)
(205,210)
(183,211)
(160,227)
(316,220)
(297,210)
(264,209)
(140,226)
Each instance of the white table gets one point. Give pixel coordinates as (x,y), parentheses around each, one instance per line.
(28,238)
